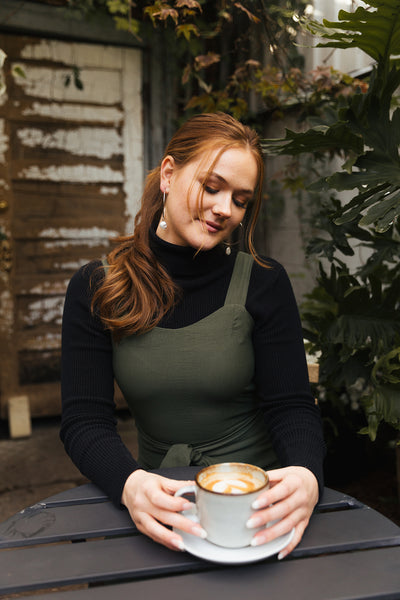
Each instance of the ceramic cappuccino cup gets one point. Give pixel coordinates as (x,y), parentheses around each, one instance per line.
(224,494)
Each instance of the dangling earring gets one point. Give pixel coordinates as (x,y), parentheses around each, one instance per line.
(228,249)
(163,223)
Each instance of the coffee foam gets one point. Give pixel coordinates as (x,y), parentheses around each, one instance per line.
(230,482)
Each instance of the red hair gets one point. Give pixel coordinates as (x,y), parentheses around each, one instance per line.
(137,291)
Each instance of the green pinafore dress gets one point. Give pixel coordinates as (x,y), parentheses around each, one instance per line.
(191,389)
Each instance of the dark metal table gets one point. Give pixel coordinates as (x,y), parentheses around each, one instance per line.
(78,546)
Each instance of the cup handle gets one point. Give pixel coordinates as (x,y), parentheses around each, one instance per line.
(187,489)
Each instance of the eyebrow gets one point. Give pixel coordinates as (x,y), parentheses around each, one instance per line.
(223,180)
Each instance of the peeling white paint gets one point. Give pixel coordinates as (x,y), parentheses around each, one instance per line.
(109,191)
(101,142)
(44,82)
(46,310)
(4,184)
(88,243)
(43,342)
(71,265)
(75,112)
(4,139)
(111,97)
(77,173)
(46,287)
(81,55)
(133,136)
(77,233)
(3,57)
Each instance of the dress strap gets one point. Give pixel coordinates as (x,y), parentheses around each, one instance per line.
(237,291)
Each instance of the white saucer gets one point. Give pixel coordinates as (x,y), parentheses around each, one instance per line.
(209,551)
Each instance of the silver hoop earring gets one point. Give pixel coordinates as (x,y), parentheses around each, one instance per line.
(163,223)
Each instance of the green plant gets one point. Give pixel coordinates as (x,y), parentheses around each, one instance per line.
(352,320)
(352,317)
(215,48)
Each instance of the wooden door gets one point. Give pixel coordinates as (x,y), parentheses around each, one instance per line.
(71,171)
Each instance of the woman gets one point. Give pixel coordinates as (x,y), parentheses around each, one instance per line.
(205,343)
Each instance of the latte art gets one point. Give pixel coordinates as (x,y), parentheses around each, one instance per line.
(230,483)
(225,494)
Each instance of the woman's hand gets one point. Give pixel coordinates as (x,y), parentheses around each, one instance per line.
(150,501)
(291,499)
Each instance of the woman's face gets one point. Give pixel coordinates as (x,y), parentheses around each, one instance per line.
(226,192)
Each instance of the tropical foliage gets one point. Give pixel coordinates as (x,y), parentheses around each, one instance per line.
(352,317)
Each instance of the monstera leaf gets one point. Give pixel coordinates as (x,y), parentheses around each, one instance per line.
(318,139)
(352,316)
(375,32)
(367,131)
(383,400)
(382,404)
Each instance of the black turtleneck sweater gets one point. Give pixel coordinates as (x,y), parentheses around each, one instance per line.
(88,427)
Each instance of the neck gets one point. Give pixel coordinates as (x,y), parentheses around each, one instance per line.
(185,260)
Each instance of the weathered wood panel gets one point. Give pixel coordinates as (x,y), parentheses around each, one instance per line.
(65,200)
(71,171)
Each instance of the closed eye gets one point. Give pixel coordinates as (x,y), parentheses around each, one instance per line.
(210,190)
(239,203)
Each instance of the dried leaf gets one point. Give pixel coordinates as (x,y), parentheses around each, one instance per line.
(164,13)
(193,4)
(186,74)
(252,17)
(253,63)
(206,60)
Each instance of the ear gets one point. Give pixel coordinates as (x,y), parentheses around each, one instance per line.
(166,171)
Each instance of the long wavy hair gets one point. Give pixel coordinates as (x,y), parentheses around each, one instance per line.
(137,291)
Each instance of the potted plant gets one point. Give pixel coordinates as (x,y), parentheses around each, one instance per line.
(352,316)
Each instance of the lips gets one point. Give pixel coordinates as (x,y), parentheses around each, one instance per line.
(213,227)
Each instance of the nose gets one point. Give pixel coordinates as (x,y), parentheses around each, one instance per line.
(223,206)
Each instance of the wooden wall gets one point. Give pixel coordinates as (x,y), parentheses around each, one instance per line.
(71,172)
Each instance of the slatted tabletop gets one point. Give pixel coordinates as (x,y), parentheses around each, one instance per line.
(78,545)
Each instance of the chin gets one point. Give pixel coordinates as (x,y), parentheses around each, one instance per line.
(208,243)
(204,241)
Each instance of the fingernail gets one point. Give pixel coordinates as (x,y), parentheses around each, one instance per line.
(260,504)
(281,555)
(253,522)
(200,532)
(256,542)
(187,506)
(179,545)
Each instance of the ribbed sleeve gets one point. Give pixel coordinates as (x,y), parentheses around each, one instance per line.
(281,377)
(88,425)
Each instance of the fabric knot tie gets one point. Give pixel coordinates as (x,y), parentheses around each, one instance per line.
(184,455)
